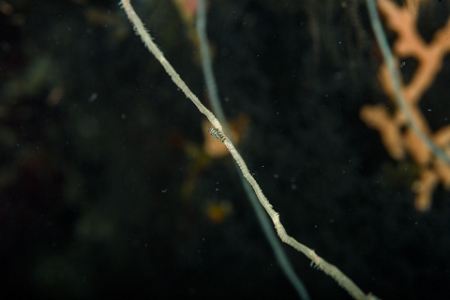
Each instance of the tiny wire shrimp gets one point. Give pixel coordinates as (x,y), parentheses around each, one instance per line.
(217,134)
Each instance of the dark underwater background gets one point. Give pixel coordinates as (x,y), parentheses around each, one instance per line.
(106,190)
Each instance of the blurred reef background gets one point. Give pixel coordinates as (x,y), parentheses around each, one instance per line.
(107,190)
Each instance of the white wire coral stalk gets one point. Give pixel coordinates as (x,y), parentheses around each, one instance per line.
(317,261)
(263,219)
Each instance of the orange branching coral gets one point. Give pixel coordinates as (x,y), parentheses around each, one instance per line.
(187,9)
(430,57)
(378,117)
(217,149)
(203,155)
(217,212)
